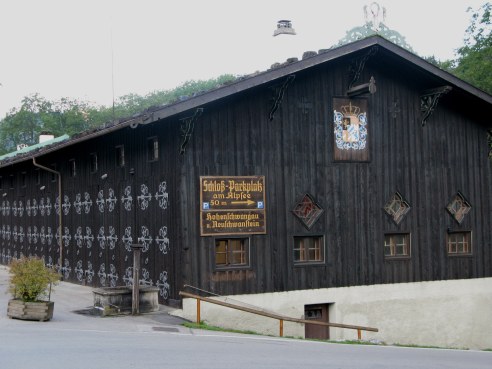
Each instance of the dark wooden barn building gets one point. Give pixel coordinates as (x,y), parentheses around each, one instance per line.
(359,165)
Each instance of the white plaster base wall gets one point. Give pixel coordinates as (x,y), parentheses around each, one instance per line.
(455,313)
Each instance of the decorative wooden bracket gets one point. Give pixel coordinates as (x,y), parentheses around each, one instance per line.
(142,119)
(357,65)
(363,89)
(429,100)
(280,95)
(187,127)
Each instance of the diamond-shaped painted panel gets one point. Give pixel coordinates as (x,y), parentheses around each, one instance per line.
(458,207)
(397,208)
(307,211)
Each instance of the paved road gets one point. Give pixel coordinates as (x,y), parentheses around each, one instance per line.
(74,341)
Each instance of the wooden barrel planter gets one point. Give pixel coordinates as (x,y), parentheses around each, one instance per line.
(38,310)
(118,300)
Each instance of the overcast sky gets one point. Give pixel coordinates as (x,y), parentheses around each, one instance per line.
(86,49)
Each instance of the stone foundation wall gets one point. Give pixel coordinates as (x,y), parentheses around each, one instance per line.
(454,313)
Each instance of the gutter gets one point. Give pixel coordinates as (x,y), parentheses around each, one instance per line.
(60,240)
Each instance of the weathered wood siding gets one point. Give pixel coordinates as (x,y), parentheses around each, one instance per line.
(96,249)
(427,164)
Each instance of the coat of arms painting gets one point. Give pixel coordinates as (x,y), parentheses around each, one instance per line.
(350,129)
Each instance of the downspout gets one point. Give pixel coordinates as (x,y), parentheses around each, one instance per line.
(60,241)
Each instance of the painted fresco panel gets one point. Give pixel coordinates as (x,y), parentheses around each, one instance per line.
(350,127)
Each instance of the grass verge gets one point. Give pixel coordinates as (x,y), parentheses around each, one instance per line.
(204,325)
(207,327)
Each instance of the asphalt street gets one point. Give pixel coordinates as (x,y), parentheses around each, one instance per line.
(158,340)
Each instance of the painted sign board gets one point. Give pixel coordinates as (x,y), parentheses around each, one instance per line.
(231,205)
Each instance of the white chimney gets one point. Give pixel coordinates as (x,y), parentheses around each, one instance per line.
(45,136)
(284,27)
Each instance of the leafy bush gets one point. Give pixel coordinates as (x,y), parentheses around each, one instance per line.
(30,279)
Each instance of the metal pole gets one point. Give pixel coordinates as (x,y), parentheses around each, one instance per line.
(136,280)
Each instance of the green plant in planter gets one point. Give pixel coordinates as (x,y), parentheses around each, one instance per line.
(30,279)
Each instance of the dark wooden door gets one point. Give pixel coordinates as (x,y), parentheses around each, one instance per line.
(320,313)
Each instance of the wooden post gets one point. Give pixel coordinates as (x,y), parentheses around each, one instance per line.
(136,278)
(198,311)
(359,334)
(281,327)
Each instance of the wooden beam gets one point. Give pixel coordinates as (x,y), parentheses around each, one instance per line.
(365,88)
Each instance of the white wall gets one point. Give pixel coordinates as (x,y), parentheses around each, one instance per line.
(454,313)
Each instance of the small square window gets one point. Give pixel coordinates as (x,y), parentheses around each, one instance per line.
(459,243)
(397,245)
(152,149)
(93,162)
(72,168)
(231,252)
(120,156)
(309,249)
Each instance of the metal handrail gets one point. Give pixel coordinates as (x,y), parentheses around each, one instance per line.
(199,289)
(228,299)
(280,318)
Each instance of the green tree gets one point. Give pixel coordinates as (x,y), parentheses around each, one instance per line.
(131,104)
(71,116)
(68,116)
(447,65)
(36,114)
(23,125)
(474,63)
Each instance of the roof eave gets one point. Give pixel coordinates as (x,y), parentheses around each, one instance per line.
(265,78)
(432,69)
